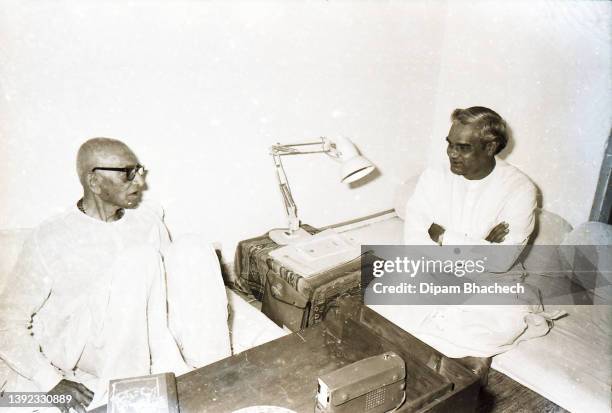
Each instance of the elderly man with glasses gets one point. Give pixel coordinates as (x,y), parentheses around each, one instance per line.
(100,292)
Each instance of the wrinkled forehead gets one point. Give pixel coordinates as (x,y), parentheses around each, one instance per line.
(116,156)
(463,134)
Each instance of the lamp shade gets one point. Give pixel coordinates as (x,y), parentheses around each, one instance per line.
(354,166)
(355,169)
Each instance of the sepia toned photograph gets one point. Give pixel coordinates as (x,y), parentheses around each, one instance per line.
(329,206)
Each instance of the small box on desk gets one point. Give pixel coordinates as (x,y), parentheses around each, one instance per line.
(374,384)
(153,394)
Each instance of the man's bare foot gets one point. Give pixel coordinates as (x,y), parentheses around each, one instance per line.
(479,366)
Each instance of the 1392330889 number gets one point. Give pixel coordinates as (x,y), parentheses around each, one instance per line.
(33,399)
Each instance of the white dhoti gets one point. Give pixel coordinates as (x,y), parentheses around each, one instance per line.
(150,314)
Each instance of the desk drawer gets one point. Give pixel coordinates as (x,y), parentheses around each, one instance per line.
(284,305)
(298,309)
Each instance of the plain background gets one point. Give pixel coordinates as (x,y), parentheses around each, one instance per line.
(200,90)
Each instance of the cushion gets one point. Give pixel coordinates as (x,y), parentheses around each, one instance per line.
(403,192)
(590,233)
(550,229)
(587,251)
(570,365)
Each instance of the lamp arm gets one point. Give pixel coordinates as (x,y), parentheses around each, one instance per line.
(279,150)
(299,148)
(283,184)
(323,145)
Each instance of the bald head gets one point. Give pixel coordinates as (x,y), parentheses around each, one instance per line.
(100,152)
(118,179)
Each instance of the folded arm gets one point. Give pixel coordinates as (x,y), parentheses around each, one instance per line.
(516,221)
(515,224)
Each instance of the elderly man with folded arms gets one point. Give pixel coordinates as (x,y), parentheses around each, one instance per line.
(100,292)
(474,199)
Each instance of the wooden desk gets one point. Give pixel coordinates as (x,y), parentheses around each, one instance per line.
(284,372)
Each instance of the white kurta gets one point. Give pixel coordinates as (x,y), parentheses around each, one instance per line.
(98,292)
(468,210)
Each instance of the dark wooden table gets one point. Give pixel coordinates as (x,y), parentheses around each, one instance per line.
(284,372)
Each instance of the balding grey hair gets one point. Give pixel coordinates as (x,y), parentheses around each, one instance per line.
(487,123)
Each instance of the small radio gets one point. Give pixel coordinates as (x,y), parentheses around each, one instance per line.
(373,385)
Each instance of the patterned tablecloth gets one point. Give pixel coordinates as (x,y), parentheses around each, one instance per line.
(319,292)
(253,263)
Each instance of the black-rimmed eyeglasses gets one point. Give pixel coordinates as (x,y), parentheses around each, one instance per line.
(130,171)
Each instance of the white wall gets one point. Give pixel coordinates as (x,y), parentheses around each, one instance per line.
(200,90)
(545,66)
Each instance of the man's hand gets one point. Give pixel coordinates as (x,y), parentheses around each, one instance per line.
(435,232)
(498,233)
(81,396)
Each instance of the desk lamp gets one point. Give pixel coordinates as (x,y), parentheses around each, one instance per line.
(353,167)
